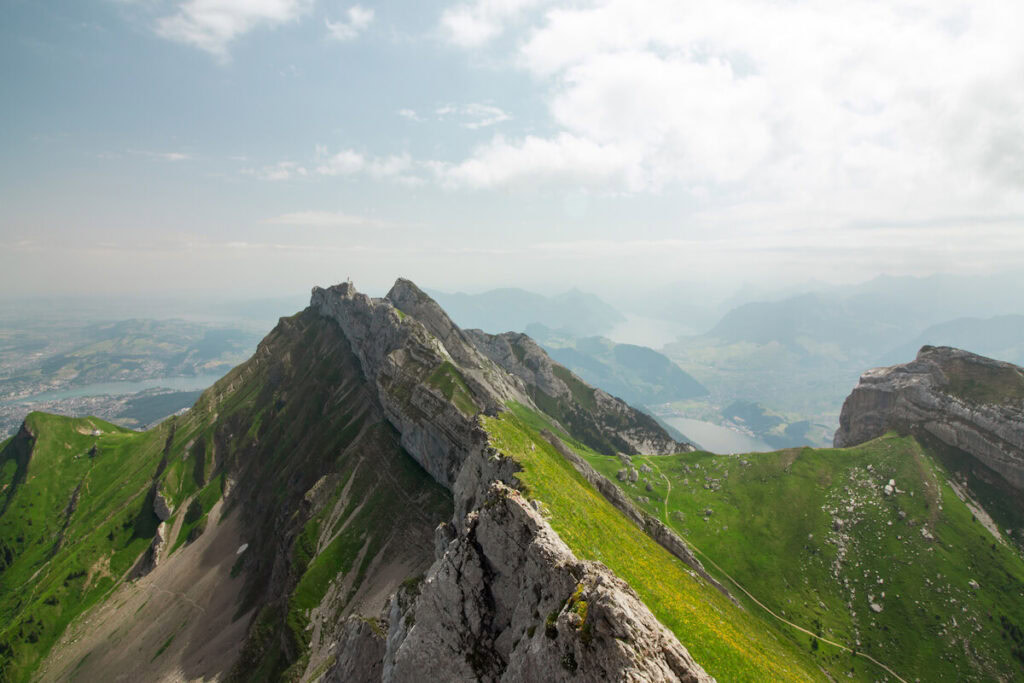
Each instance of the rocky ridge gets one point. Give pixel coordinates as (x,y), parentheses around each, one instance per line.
(505,599)
(600,419)
(401,357)
(968,402)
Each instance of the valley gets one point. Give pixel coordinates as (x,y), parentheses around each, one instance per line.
(133,372)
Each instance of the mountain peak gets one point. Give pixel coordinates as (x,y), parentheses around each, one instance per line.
(405,290)
(964,400)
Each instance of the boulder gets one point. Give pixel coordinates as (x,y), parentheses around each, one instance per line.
(161,508)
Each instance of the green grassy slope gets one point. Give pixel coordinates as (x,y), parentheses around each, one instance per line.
(319,477)
(729,643)
(813,535)
(314,464)
(74,516)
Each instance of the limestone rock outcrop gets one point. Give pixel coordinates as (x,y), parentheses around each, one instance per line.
(161,508)
(508,601)
(505,599)
(151,558)
(609,420)
(359,654)
(966,401)
(407,365)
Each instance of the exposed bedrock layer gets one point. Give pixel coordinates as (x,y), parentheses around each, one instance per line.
(966,401)
(505,599)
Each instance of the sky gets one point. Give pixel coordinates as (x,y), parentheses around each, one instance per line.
(265,146)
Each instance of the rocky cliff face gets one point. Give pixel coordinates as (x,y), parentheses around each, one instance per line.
(966,401)
(427,392)
(599,419)
(505,599)
(432,377)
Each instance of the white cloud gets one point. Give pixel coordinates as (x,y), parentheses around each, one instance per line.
(473,24)
(474,115)
(211,25)
(163,156)
(345,162)
(358,20)
(564,157)
(400,168)
(829,110)
(394,166)
(410,114)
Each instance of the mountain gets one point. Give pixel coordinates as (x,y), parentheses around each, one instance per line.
(638,374)
(287,521)
(498,310)
(999,337)
(904,543)
(378,494)
(804,324)
(799,355)
(914,577)
(968,407)
(905,305)
(206,544)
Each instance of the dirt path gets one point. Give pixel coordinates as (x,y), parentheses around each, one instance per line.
(760,604)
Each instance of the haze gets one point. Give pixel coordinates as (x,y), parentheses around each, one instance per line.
(225,146)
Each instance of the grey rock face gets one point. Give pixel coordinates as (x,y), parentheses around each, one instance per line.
(411,300)
(643,436)
(506,599)
(151,558)
(966,401)
(399,355)
(520,356)
(359,655)
(160,507)
(509,601)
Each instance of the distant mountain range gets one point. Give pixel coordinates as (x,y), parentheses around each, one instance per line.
(798,354)
(1000,337)
(639,375)
(793,351)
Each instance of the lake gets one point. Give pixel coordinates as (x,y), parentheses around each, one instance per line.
(716,438)
(644,331)
(120,388)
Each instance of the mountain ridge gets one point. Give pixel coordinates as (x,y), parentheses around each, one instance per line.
(392,497)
